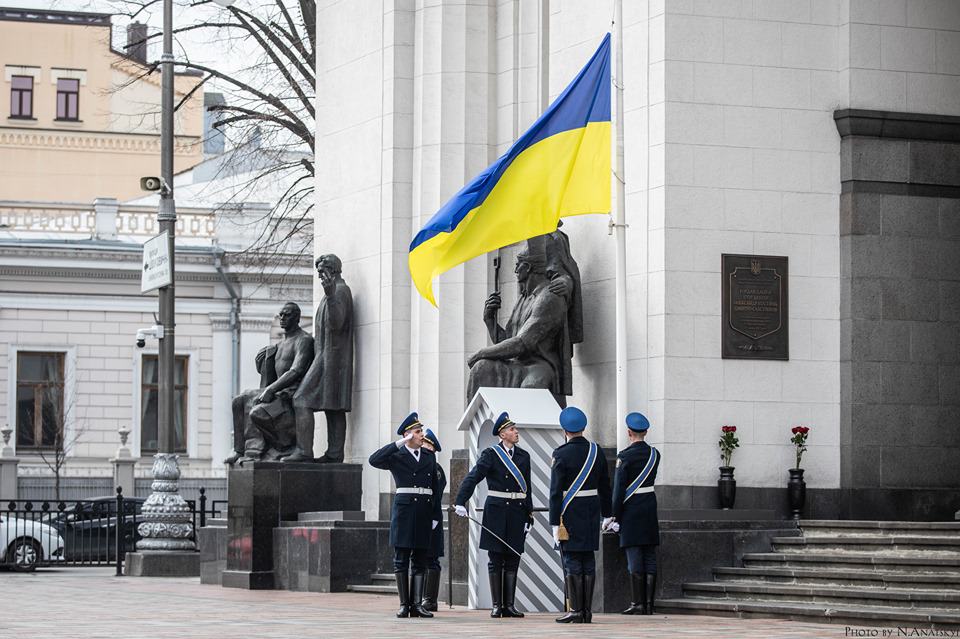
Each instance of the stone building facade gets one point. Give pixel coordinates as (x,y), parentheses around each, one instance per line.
(823,131)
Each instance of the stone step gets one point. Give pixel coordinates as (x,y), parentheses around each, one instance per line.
(817,527)
(215,522)
(851,615)
(831,577)
(946,546)
(374,589)
(863,561)
(826,595)
(337,523)
(332,515)
(384,577)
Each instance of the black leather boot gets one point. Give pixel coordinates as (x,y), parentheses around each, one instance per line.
(651,584)
(638,598)
(416,597)
(403,589)
(575,595)
(496,593)
(588,582)
(431,589)
(509,595)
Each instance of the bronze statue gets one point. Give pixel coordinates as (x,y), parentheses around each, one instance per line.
(534,350)
(264,418)
(328,384)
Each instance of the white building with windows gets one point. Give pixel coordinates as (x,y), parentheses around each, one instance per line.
(70,305)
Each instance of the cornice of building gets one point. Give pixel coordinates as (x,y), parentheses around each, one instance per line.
(50,16)
(93,141)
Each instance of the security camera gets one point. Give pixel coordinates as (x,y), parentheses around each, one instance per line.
(155,332)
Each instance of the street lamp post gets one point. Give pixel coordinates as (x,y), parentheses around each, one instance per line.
(167,523)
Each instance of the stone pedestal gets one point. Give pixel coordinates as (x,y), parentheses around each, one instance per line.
(264,494)
(8,478)
(162,563)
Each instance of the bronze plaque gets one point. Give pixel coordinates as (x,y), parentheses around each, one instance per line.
(755,307)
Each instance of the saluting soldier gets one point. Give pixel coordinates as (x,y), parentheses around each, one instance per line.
(507,511)
(431,587)
(635,513)
(579,497)
(415,513)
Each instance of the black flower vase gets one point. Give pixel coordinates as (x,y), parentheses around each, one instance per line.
(727,486)
(796,492)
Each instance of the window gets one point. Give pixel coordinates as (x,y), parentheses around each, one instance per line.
(39,400)
(68,99)
(21,96)
(150,396)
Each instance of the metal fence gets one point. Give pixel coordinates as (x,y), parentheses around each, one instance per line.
(82,532)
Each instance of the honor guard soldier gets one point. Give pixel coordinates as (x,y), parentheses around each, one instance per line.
(635,513)
(416,511)
(431,587)
(579,497)
(507,511)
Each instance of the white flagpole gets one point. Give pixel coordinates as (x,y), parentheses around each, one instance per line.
(618,225)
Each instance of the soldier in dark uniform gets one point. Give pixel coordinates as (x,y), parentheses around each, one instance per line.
(415,512)
(635,513)
(431,588)
(507,511)
(579,497)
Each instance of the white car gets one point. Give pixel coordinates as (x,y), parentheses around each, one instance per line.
(24,543)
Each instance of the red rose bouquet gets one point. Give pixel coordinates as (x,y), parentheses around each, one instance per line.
(799,440)
(728,442)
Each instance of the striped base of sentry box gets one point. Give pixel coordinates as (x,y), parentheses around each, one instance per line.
(540,582)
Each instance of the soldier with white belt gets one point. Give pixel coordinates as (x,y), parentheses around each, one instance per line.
(507,511)
(415,511)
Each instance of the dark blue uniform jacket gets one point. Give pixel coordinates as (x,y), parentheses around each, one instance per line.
(412,515)
(638,515)
(582,518)
(436,539)
(505,517)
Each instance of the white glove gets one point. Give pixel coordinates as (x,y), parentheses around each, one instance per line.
(527,526)
(403,440)
(460,510)
(615,527)
(606,523)
(435,522)
(556,535)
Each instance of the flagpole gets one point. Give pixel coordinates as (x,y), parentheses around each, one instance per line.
(619,227)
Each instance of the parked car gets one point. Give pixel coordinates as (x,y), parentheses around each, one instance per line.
(25,543)
(89,528)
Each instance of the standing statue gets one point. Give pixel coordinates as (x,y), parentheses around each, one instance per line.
(263,418)
(534,350)
(328,384)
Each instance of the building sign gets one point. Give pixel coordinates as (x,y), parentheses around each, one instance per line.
(754,307)
(156,263)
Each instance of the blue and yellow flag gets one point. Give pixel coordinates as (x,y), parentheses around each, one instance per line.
(559,167)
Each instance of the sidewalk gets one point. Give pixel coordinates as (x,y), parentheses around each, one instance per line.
(88,603)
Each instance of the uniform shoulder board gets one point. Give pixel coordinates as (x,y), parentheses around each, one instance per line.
(619,462)
(552,461)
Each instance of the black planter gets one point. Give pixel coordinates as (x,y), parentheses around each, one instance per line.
(796,492)
(727,487)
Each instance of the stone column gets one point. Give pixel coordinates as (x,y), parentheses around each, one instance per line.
(123,466)
(8,467)
(221,439)
(254,335)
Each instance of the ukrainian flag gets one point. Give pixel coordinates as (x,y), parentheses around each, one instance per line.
(559,167)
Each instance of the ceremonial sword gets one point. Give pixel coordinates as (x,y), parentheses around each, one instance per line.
(499,538)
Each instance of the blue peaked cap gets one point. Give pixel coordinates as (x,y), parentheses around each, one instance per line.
(637,422)
(432,438)
(412,421)
(502,422)
(572,419)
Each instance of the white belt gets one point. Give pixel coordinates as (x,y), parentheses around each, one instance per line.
(414,491)
(498,493)
(592,492)
(645,489)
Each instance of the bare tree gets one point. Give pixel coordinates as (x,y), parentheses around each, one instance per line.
(268,79)
(63,413)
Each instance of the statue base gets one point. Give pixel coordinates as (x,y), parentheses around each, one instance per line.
(162,563)
(265,493)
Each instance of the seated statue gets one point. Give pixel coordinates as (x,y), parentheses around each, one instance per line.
(264,421)
(533,350)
